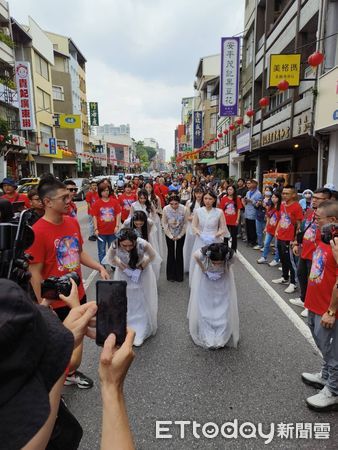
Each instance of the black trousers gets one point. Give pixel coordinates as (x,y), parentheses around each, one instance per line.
(233,229)
(303,272)
(287,260)
(251,231)
(175,266)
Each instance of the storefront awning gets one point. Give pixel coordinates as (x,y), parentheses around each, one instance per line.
(214,162)
(205,160)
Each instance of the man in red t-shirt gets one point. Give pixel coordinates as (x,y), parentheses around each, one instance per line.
(305,250)
(72,189)
(291,216)
(231,208)
(161,191)
(91,198)
(322,302)
(9,187)
(58,250)
(126,200)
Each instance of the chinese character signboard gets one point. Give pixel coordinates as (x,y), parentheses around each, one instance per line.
(243,141)
(228,105)
(25,95)
(52,146)
(69,121)
(284,67)
(198,125)
(94,114)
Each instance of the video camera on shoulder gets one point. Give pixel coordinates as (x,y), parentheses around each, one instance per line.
(328,232)
(52,287)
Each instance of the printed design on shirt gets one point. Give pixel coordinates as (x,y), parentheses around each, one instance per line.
(273,220)
(68,253)
(127,203)
(318,266)
(310,233)
(72,212)
(230,209)
(175,221)
(107,214)
(285,220)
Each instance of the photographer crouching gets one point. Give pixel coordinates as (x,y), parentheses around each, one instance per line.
(322,302)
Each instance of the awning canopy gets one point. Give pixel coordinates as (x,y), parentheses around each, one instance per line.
(205,160)
(215,162)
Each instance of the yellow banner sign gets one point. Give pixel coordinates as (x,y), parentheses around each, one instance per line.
(70,121)
(284,67)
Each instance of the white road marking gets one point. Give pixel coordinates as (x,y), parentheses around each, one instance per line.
(90,279)
(278,300)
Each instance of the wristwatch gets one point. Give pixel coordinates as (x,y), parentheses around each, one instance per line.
(331,313)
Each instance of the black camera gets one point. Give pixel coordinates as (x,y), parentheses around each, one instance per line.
(52,287)
(328,232)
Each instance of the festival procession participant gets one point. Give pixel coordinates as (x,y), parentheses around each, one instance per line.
(174,186)
(91,198)
(107,219)
(126,200)
(213,311)
(72,189)
(174,221)
(146,229)
(322,302)
(249,201)
(305,246)
(58,250)
(306,200)
(154,215)
(9,187)
(289,224)
(272,219)
(208,225)
(231,206)
(185,192)
(142,204)
(260,207)
(36,207)
(132,257)
(162,191)
(191,206)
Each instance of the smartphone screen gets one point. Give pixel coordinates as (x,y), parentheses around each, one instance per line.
(111,316)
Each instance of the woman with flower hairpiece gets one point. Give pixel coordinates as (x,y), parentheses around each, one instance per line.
(132,257)
(213,311)
(191,207)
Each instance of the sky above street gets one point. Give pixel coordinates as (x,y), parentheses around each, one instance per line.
(142,55)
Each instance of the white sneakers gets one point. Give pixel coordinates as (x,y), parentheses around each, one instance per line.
(262,260)
(305,313)
(273,263)
(313,379)
(290,289)
(256,247)
(297,302)
(325,400)
(280,281)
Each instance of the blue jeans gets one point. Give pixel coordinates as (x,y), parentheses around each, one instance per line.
(259,231)
(268,239)
(102,246)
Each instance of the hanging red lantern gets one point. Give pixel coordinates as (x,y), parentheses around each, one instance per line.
(315,59)
(226,131)
(250,112)
(264,102)
(232,127)
(239,121)
(220,135)
(283,85)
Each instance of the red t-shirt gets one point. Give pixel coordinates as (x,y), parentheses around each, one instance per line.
(273,217)
(125,203)
(227,205)
(18,198)
(289,215)
(311,236)
(161,191)
(72,212)
(105,213)
(91,198)
(322,280)
(59,248)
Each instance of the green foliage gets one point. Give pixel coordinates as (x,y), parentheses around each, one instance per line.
(6,39)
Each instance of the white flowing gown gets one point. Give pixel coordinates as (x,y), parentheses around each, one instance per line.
(213,311)
(189,238)
(142,296)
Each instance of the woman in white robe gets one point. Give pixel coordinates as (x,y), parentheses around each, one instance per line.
(189,235)
(213,311)
(132,257)
(142,204)
(154,215)
(208,225)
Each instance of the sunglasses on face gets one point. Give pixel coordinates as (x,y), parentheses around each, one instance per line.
(72,189)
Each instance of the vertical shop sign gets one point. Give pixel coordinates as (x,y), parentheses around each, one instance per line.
(25,95)
(198,126)
(94,114)
(229,76)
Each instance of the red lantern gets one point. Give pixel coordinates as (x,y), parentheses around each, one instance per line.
(226,131)
(250,112)
(239,121)
(315,59)
(264,102)
(220,135)
(232,127)
(283,85)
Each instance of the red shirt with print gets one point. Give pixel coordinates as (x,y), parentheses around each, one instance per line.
(125,203)
(227,205)
(322,280)
(58,248)
(72,212)
(161,191)
(272,219)
(105,213)
(91,198)
(289,215)
(311,236)
(18,198)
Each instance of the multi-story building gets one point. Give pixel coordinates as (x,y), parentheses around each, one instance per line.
(150,142)
(112,130)
(281,134)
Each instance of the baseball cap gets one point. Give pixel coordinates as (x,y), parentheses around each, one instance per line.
(35,349)
(10,182)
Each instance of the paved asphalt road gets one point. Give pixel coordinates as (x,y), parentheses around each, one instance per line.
(172,379)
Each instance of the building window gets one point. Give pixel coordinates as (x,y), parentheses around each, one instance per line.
(249,49)
(41,66)
(43,100)
(58,93)
(63,143)
(213,123)
(46,132)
